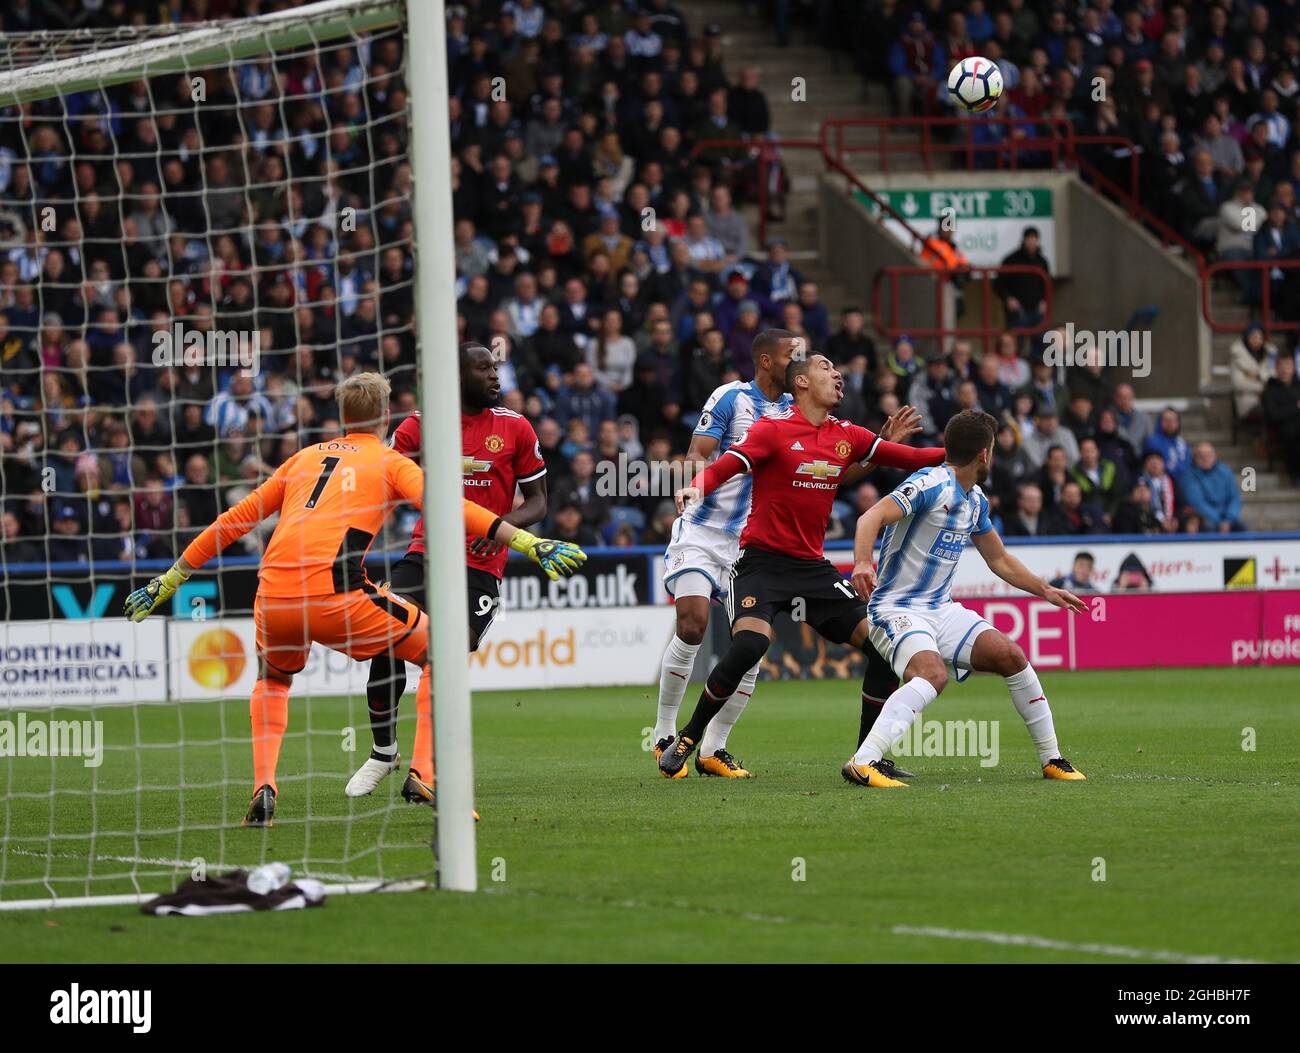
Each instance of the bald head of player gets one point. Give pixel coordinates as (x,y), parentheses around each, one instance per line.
(968,439)
(772,350)
(816,385)
(480,386)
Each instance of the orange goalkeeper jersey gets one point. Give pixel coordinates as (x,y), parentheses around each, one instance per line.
(332,498)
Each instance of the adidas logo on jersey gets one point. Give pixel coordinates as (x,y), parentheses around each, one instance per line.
(796,445)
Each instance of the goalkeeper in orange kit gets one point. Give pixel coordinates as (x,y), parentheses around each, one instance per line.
(333,497)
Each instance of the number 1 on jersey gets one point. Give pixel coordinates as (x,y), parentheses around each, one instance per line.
(330,464)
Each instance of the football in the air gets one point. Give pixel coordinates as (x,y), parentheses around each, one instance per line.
(975,84)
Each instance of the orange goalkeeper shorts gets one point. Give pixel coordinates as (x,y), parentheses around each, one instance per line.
(360,624)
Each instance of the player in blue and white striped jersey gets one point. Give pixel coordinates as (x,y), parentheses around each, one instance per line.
(916,625)
(706,542)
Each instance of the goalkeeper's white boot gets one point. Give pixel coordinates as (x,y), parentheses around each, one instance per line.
(371,774)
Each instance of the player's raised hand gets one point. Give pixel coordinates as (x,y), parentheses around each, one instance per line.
(558,558)
(902,425)
(687,495)
(144,601)
(1060,598)
(482,546)
(864,578)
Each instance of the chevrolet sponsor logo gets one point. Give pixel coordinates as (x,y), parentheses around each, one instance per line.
(819,469)
(471,466)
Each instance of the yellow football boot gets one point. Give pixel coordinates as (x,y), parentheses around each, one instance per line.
(869,775)
(722,764)
(1060,768)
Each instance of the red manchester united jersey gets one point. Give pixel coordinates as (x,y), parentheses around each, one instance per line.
(797,467)
(500,450)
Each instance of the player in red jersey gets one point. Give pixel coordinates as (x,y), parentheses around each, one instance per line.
(797,459)
(500,451)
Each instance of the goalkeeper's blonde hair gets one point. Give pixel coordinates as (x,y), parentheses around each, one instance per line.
(363,400)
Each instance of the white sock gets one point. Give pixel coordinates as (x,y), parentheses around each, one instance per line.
(389,751)
(715,735)
(897,715)
(1031,704)
(674,676)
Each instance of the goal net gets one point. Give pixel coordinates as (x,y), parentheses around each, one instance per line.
(204,229)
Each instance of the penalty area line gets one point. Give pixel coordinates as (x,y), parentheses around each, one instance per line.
(1109,950)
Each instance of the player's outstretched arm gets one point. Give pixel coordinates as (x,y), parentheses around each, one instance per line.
(724,468)
(870,524)
(230,526)
(898,428)
(558,558)
(1016,574)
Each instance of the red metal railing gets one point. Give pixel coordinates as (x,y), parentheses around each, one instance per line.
(891,325)
(1263,284)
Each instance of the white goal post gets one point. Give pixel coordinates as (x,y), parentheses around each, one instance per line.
(44,66)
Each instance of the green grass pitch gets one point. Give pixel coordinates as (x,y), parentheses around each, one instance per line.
(602,860)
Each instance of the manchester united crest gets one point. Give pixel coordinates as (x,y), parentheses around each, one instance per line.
(843,448)
(495,444)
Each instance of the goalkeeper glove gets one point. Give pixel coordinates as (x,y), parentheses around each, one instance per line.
(558,558)
(143,602)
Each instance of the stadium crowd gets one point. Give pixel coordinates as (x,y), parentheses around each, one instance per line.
(599,251)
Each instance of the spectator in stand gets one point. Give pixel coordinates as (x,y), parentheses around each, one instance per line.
(567,524)
(1134,514)
(1101,482)
(1011,467)
(916,65)
(994,395)
(725,223)
(1049,432)
(1164,500)
(1201,195)
(1169,443)
(816,319)
(1279,239)
(1212,490)
(934,395)
(583,400)
(903,364)
(1254,362)
(1026,519)
(1053,476)
(611,354)
(1079,417)
(1070,515)
(1134,423)
(776,279)
(1013,370)
(1024,295)
(1042,386)
(852,340)
(1113,445)
(1240,218)
(1280,404)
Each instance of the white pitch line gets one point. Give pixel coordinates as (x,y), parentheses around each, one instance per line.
(1110,950)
